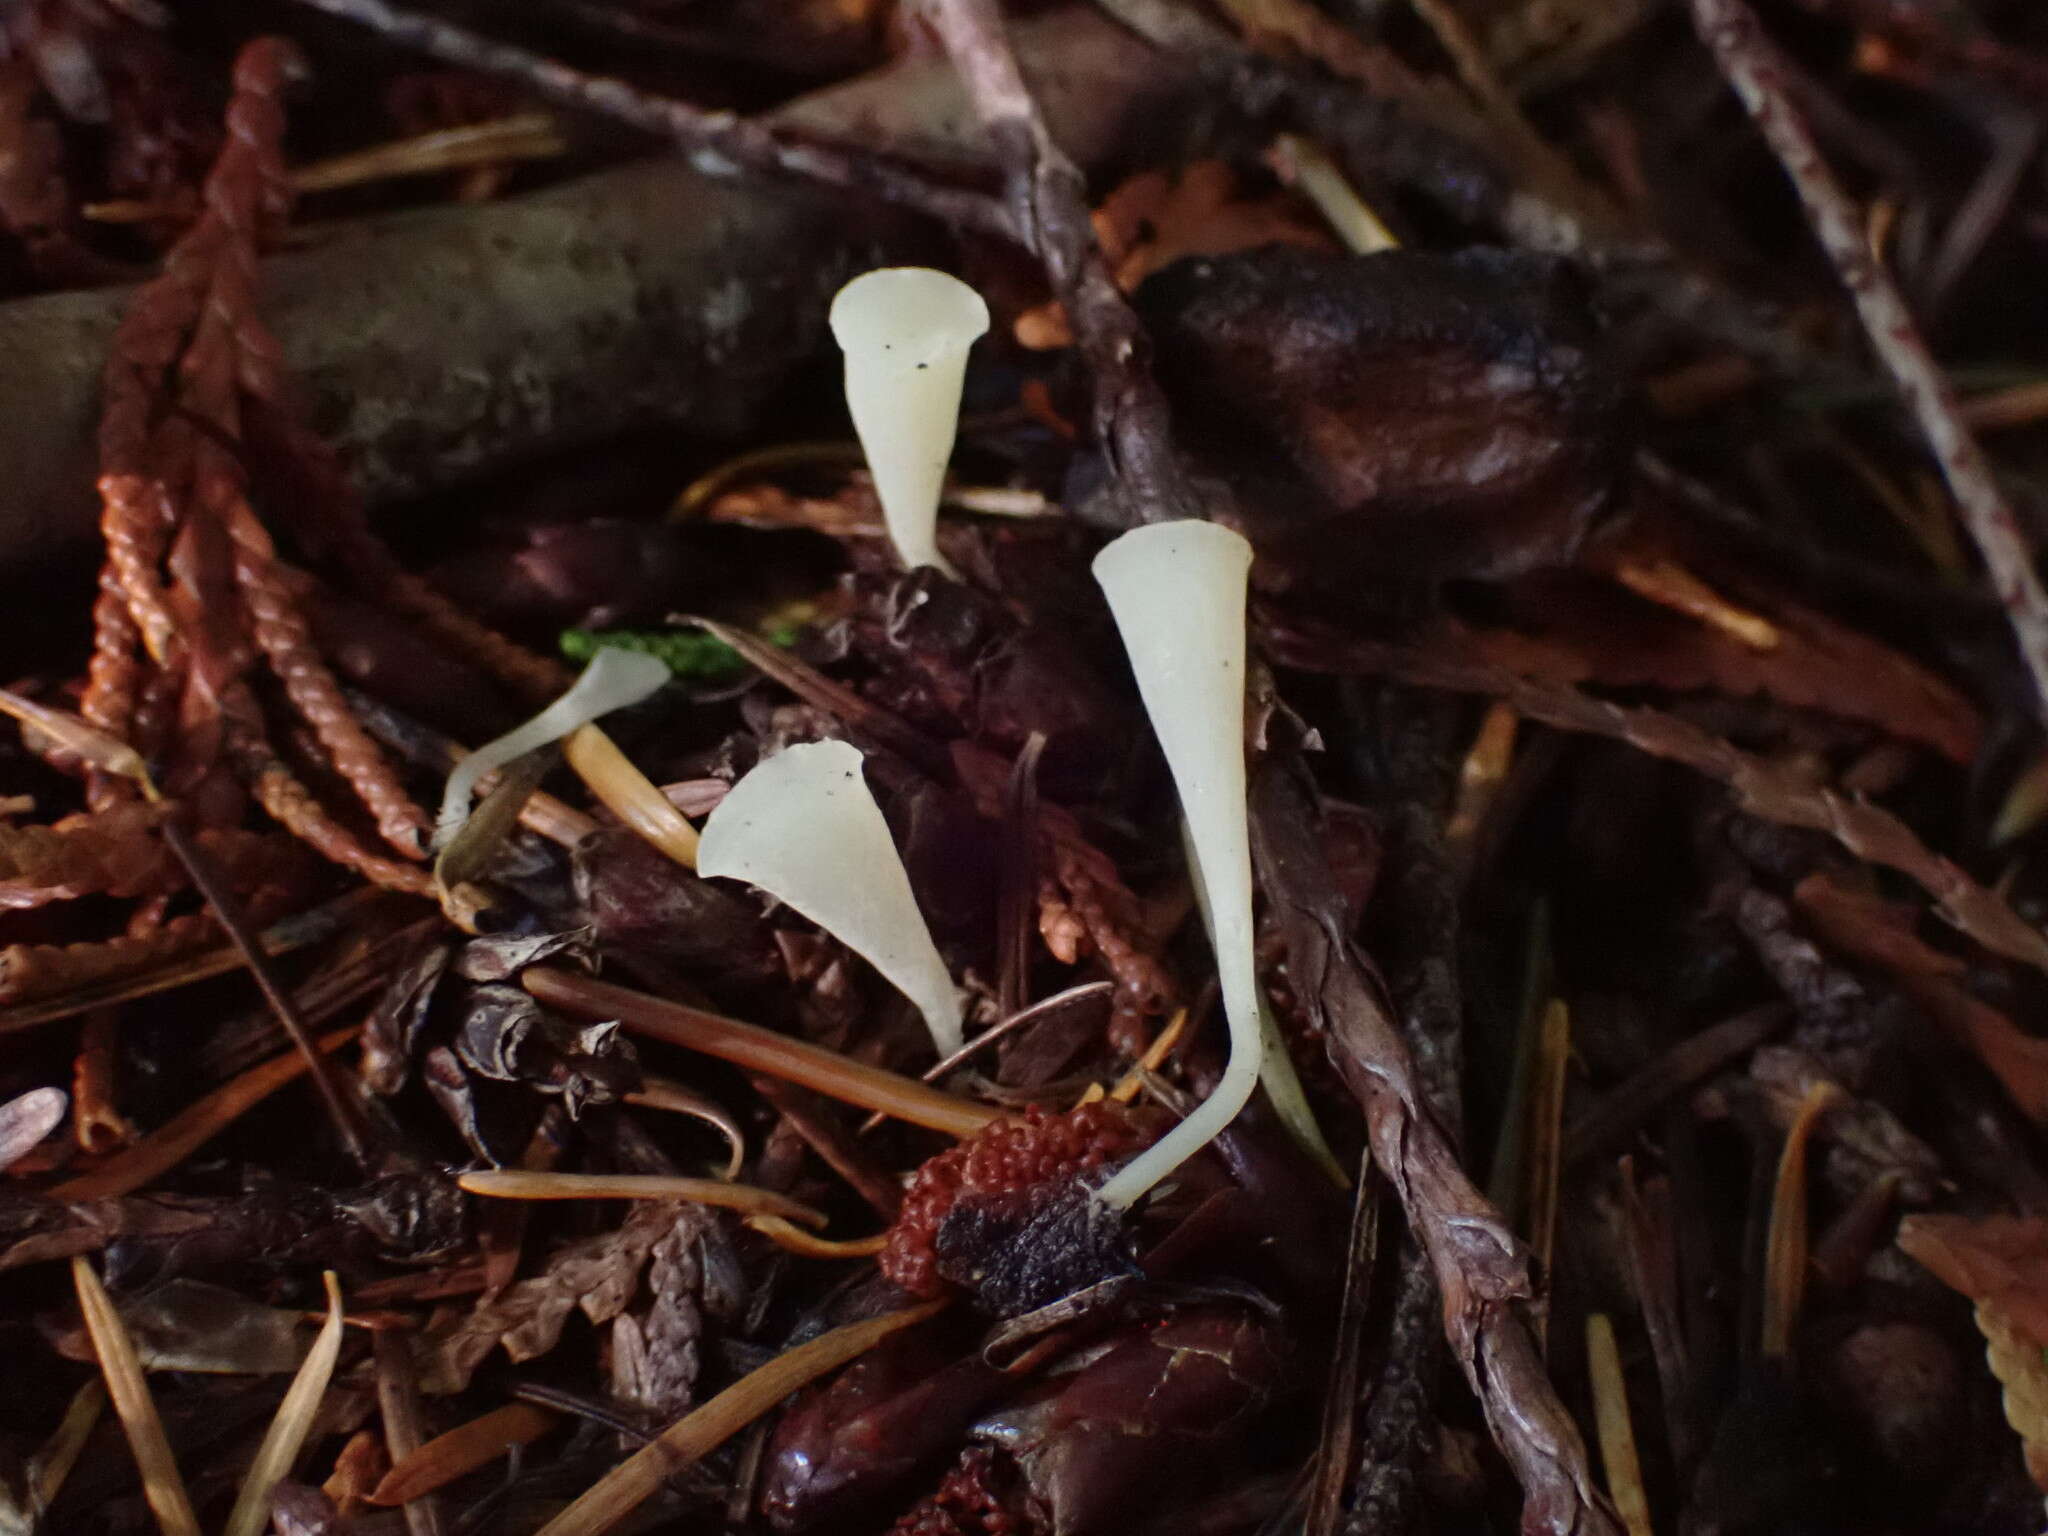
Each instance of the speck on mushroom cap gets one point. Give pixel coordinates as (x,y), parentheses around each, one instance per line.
(907,316)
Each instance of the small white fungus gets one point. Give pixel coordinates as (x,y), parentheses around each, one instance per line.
(906,332)
(804,828)
(614,679)
(1177,591)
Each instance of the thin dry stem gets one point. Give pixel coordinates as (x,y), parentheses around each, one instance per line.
(675,1098)
(760,1050)
(398,1405)
(227,910)
(522,1184)
(1762,788)
(793,1239)
(717,142)
(1049,197)
(1544,1165)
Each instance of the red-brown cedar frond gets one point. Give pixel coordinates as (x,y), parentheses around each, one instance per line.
(321,485)
(30,972)
(287,641)
(1081,896)
(287,800)
(114,852)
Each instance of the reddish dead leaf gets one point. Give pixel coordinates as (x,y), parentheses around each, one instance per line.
(461,1451)
(361,1465)
(1999,1261)
(2001,1264)
(1877,932)
(1157,217)
(1574,628)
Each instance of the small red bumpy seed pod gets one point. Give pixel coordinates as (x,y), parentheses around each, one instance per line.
(967,1502)
(1006,1157)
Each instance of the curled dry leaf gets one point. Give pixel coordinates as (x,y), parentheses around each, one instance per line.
(598,1276)
(1157,217)
(508,1037)
(2001,1264)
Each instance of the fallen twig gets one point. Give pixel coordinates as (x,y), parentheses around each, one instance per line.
(718,142)
(1753,66)
(1049,197)
(1481,1270)
(343,1110)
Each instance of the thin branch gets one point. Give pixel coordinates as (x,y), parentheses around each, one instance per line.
(718,143)
(1754,67)
(1762,788)
(1049,199)
(1480,1269)
(346,1114)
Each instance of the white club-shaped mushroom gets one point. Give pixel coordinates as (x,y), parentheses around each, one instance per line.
(804,828)
(614,679)
(1177,591)
(905,332)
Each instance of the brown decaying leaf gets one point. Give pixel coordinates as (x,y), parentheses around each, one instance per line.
(1157,217)
(597,1275)
(2001,1264)
(358,1467)
(1999,1261)
(1574,628)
